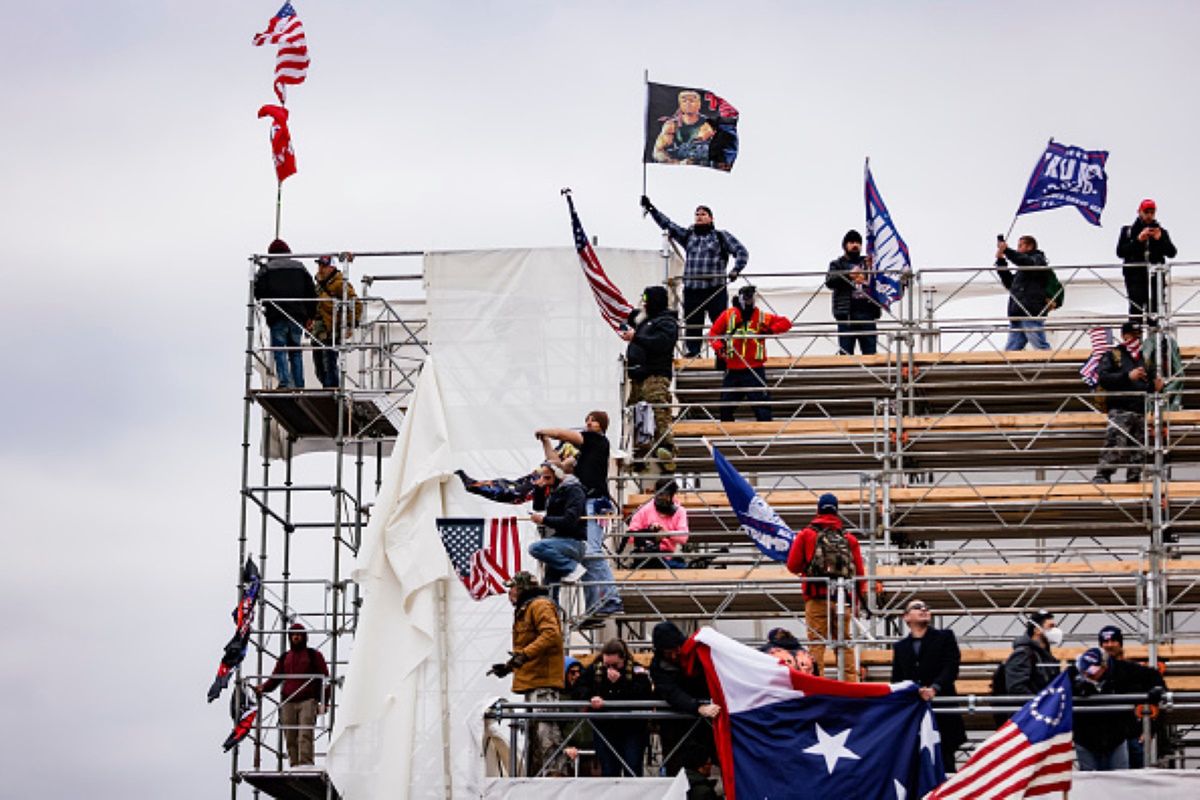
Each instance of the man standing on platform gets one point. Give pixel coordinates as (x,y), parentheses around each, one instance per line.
(853,307)
(301,671)
(1027,292)
(1031,665)
(1131,678)
(825,554)
(704,278)
(686,692)
(738,343)
(930,658)
(289,301)
(1141,244)
(335,319)
(652,332)
(1127,379)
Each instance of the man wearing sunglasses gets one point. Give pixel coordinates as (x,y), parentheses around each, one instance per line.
(929,657)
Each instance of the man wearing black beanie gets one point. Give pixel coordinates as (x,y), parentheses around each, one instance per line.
(853,307)
(652,331)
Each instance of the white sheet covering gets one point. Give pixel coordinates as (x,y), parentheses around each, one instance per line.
(519,345)
(586,789)
(1159,784)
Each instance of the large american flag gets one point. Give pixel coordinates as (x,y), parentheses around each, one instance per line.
(613,305)
(291,60)
(1101,342)
(1030,756)
(485,552)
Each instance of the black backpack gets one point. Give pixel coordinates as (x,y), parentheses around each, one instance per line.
(831,556)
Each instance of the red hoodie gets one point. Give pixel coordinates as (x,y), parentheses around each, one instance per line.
(802,553)
(302,660)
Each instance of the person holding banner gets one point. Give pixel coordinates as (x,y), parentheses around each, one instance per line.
(1027,292)
(1143,243)
(853,307)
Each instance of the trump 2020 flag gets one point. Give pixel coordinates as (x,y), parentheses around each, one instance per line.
(282,154)
(1029,756)
(783,734)
(688,125)
(890,262)
(758,520)
(1068,176)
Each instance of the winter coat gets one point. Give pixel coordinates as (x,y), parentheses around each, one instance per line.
(937,666)
(634,684)
(1101,731)
(329,292)
(302,660)
(565,509)
(1026,287)
(739,341)
(1029,668)
(287,290)
(1113,374)
(1133,253)
(652,350)
(801,554)
(847,303)
(537,635)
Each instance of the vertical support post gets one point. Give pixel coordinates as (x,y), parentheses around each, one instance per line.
(244,509)
(840,628)
(1155,589)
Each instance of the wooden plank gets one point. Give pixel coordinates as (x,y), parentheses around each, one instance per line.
(977,357)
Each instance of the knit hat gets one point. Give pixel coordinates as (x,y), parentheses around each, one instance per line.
(666,635)
(656,299)
(827,503)
(522,580)
(278,247)
(851,236)
(1111,633)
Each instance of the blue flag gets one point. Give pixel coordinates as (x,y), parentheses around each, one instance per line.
(785,734)
(759,521)
(1068,176)
(885,247)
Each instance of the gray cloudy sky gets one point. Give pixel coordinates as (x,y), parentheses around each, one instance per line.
(136,179)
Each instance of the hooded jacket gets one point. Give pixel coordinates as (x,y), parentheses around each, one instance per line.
(1029,668)
(846,305)
(802,550)
(1026,287)
(739,339)
(286,283)
(565,509)
(537,636)
(651,351)
(300,661)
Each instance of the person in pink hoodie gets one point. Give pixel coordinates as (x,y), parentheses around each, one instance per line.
(661,515)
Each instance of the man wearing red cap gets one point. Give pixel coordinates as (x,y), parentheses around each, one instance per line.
(1143,243)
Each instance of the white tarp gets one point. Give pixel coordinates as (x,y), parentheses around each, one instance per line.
(519,345)
(586,789)
(1160,784)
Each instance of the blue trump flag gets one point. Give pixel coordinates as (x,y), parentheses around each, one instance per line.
(758,520)
(784,734)
(890,262)
(1068,176)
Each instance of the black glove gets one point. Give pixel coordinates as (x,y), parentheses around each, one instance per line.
(734,273)
(518,660)
(718,362)
(499,670)
(1155,695)
(646,204)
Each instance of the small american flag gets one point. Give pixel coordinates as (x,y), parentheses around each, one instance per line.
(1101,342)
(485,552)
(1030,756)
(291,60)
(613,305)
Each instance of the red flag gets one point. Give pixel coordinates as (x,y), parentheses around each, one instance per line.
(281,141)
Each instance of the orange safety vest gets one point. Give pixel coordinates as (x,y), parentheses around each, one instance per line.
(744,345)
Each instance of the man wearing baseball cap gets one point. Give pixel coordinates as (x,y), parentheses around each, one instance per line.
(1143,243)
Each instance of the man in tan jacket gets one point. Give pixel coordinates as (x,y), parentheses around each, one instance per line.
(338,312)
(537,668)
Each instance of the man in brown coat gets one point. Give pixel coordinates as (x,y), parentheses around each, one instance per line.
(333,317)
(537,668)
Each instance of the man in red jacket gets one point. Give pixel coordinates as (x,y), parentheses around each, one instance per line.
(822,553)
(302,671)
(737,340)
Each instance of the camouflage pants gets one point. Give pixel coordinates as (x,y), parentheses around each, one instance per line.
(542,739)
(1124,443)
(656,390)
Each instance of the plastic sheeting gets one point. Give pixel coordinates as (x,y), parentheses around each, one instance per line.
(586,789)
(1160,784)
(519,345)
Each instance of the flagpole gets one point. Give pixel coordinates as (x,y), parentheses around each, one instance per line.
(646,119)
(278,205)
(1049,142)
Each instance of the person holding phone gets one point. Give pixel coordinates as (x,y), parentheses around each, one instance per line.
(1143,243)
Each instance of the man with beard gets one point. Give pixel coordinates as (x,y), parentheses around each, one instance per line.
(652,332)
(1141,244)
(299,705)
(853,308)
(704,278)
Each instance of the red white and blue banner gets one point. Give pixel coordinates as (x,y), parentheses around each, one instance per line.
(758,520)
(1068,176)
(291,59)
(890,262)
(782,733)
(1029,756)
(614,308)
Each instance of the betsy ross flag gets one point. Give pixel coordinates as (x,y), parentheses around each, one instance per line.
(1068,176)
(291,59)
(613,305)
(1029,756)
(485,552)
(782,733)
(243,618)
(282,153)
(759,521)
(1101,343)
(890,262)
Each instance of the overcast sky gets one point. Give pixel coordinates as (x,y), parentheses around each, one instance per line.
(136,179)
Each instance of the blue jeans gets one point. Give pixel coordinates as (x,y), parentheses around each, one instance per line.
(1089,761)
(620,744)
(1027,330)
(289,364)
(325,361)
(862,332)
(600,593)
(561,556)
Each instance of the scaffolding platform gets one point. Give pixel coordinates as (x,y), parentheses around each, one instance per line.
(297,784)
(308,413)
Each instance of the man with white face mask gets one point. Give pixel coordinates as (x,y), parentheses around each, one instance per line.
(1031,666)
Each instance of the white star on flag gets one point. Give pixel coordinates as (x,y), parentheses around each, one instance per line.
(832,748)
(901,792)
(930,738)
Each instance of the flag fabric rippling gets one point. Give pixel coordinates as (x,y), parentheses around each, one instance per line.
(244,712)
(1068,176)
(614,308)
(485,552)
(890,261)
(282,154)
(243,618)
(1101,342)
(759,521)
(291,59)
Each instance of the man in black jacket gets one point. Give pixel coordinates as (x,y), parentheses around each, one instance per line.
(687,694)
(1027,295)
(1031,666)
(853,307)
(289,300)
(562,552)
(930,658)
(1099,736)
(652,332)
(1130,677)
(1143,243)
(1126,379)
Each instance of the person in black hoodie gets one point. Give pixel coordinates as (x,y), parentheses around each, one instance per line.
(562,552)
(1127,379)
(652,332)
(853,307)
(1143,243)
(687,694)
(289,300)
(930,658)
(615,677)
(1027,294)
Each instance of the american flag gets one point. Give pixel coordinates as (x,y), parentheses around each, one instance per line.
(291,60)
(613,305)
(243,617)
(1101,342)
(1030,756)
(485,552)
